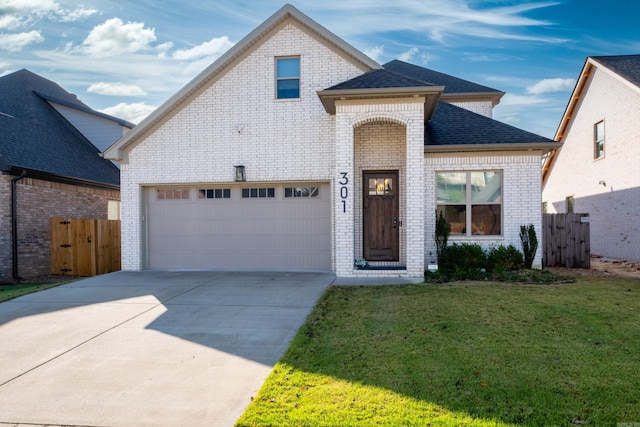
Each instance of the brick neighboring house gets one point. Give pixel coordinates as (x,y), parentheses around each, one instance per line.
(597,168)
(296,151)
(51,167)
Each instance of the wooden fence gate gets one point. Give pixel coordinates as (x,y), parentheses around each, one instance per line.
(84,247)
(566,239)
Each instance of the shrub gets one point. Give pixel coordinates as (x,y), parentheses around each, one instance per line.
(442,234)
(504,258)
(463,257)
(529,244)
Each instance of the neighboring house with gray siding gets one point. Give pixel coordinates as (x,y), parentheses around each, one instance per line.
(597,168)
(296,151)
(51,163)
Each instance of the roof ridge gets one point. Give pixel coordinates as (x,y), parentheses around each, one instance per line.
(409,77)
(453,84)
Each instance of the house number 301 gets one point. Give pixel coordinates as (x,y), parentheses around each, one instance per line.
(344,190)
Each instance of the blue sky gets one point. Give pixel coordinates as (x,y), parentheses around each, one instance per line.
(126,58)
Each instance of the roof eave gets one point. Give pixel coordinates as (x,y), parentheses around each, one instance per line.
(115,151)
(55,100)
(63,179)
(569,112)
(543,147)
(494,97)
(430,93)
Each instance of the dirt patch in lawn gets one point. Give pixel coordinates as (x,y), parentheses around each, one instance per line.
(52,278)
(603,267)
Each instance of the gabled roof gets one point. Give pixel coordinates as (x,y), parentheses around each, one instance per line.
(383,78)
(36,138)
(453,128)
(380,84)
(453,85)
(82,107)
(624,67)
(219,67)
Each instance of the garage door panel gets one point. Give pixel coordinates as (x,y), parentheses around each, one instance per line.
(240,233)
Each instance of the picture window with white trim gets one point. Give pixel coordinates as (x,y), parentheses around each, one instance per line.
(471,202)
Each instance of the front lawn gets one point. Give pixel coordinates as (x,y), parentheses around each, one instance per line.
(473,354)
(12,291)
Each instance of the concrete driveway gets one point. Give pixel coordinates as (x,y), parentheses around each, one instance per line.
(148,348)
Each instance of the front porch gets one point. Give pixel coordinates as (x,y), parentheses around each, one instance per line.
(379,196)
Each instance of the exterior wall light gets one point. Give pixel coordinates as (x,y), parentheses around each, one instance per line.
(240,175)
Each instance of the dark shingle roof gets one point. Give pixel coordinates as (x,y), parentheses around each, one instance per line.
(452,84)
(452,125)
(34,136)
(378,79)
(627,66)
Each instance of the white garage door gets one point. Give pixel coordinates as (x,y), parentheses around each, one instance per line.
(249,227)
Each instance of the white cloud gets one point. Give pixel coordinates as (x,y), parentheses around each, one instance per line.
(21,12)
(551,85)
(116,89)
(15,42)
(76,15)
(114,37)
(511,100)
(163,48)
(134,113)
(375,52)
(10,22)
(214,48)
(408,55)
(24,6)
(441,20)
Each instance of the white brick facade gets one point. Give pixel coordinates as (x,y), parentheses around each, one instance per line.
(362,148)
(235,120)
(521,194)
(608,188)
(480,107)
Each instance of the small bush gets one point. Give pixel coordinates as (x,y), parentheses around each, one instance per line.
(443,229)
(504,258)
(463,257)
(469,261)
(529,244)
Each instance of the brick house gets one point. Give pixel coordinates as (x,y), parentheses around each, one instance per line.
(597,168)
(50,145)
(295,151)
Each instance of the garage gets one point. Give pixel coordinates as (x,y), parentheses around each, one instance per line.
(248,227)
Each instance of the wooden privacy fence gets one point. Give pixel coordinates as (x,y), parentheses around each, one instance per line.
(566,240)
(84,247)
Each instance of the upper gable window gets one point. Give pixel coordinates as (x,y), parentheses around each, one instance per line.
(288,77)
(598,138)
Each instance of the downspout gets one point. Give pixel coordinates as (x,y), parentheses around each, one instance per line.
(14,225)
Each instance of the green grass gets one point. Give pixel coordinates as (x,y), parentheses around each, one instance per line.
(472,354)
(8,292)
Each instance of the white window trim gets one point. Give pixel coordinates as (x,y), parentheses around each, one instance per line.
(596,150)
(298,78)
(468,234)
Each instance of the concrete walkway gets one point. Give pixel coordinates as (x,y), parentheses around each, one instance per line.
(148,348)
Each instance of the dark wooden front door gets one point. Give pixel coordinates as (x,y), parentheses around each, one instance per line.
(380,216)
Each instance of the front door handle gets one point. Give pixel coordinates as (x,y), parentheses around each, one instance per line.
(395,221)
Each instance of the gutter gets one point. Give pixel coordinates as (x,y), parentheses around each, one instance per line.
(545,147)
(14,225)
